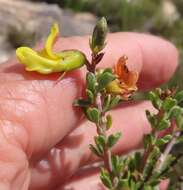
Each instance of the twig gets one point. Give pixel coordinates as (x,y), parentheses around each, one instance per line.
(102,131)
(167,150)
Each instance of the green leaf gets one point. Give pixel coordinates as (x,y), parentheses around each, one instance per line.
(91,82)
(175,112)
(133,184)
(152,159)
(179,122)
(156,101)
(93,114)
(104,79)
(108,70)
(154,182)
(148,140)
(169,103)
(166,164)
(163,124)
(108,121)
(95,150)
(124,184)
(154,154)
(138,160)
(147,187)
(117,165)
(100,140)
(90,95)
(158,91)
(106,104)
(113,139)
(105,178)
(163,140)
(115,100)
(179,140)
(138,184)
(115,162)
(81,103)
(179,96)
(151,118)
(131,165)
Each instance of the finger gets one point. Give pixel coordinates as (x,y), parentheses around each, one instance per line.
(73,152)
(89,179)
(85,179)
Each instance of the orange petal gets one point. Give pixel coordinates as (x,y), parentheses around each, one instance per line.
(132,78)
(120,68)
(128,77)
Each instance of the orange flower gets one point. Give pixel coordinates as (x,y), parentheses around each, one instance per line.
(125,84)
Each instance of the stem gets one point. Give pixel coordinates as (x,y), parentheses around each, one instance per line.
(102,131)
(101,127)
(167,150)
(91,67)
(173,164)
(147,152)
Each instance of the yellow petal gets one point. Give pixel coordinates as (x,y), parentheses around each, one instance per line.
(113,87)
(48,49)
(34,62)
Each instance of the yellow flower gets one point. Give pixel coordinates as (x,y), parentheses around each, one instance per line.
(125,84)
(46,61)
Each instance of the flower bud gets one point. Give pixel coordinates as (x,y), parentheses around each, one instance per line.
(97,42)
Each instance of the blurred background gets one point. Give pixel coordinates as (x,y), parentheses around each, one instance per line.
(25,22)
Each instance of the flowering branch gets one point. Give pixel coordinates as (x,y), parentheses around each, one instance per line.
(105,89)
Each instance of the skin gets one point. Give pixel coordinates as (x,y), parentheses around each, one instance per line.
(44,140)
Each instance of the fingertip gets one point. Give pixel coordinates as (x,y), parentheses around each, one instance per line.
(153,57)
(160,60)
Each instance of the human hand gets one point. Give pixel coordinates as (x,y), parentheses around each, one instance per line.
(44,140)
